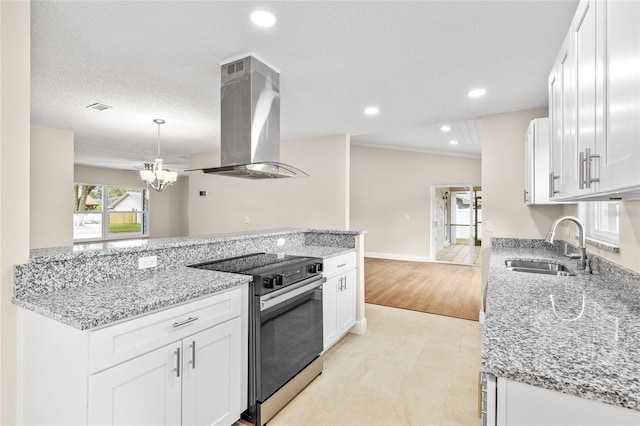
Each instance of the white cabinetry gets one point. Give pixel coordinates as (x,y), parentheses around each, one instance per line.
(182,365)
(338,297)
(537,155)
(594,102)
(526,405)
(561,107)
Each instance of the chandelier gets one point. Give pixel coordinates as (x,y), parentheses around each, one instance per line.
(155,175)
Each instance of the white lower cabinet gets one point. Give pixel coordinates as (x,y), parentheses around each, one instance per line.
(526,405)
(190,382)
(179,366)
(339,298)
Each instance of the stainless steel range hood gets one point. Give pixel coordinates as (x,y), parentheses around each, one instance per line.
(250,122)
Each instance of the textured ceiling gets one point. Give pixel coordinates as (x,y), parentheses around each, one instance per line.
(414,60)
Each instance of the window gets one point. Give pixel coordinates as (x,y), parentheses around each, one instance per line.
(105,212)
(601,220)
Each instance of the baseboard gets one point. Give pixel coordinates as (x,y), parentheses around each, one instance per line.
(360,327)
(393,256)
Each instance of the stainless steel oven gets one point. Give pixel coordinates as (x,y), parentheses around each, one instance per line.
(285,327)
(288,329)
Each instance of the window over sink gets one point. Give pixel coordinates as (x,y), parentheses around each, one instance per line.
(601,221)
(108,212)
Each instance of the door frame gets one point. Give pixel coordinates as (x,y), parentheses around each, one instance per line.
(472,225)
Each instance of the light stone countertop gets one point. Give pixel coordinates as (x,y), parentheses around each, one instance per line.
(92,306)
(313,251)
(578,335)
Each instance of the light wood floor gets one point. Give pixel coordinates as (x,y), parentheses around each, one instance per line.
(437,288)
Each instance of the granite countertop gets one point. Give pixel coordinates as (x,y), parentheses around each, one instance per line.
(314,251)
(135,246)
(577,334)
(94,305)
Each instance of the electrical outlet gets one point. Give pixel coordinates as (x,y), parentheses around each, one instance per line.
(147,262)
(407,217)
(280,241)
(488,226)
(247,219)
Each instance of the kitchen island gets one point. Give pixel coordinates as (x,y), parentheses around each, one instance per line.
(573,335)
(119,327)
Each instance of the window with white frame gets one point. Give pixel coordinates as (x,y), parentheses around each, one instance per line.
(601,220)
(107,212)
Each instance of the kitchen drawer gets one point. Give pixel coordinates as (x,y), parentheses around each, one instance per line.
(339,264)
(114,344)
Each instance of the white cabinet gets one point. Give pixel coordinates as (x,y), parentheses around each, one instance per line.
(143,391)
(182,365)
(195,381)
(594,103)
(526,405)
(620,153)
(537,163)
(561,113)
(338,297)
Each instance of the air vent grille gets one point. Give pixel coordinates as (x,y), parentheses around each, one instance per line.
(99,107)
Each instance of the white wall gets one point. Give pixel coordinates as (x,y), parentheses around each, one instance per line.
(14,182)
(319,201)
(50,194)
(169,208)
(503,182)
(388,184)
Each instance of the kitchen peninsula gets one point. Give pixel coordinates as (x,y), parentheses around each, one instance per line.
(93,317)
(564,348)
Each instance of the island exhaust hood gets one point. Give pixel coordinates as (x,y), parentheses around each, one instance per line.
(250,122)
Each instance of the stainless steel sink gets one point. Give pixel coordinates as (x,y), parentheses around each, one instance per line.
(537,267)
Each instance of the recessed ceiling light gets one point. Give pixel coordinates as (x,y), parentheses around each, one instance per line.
(453,142)
(371,110)
(262,18)
(475,93)
(445,128)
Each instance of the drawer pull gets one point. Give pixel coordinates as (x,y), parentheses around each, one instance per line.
(193,354)
(177,369)
(341,265)
(187,321)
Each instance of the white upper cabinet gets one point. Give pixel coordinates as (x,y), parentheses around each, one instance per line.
(537,145)
(594,103)
(561,108)
(620,155)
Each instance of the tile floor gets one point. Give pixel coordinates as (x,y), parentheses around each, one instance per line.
(410,368)
(458,253)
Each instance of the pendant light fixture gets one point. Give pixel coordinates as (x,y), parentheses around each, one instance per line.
(155,175)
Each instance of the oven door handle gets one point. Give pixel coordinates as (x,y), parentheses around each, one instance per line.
(292,291)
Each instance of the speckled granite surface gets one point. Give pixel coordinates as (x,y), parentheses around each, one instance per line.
(54,269)
(94,305)
(92,285)
(314,251)
(577,335)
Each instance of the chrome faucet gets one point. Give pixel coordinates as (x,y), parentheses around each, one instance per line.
(583,264)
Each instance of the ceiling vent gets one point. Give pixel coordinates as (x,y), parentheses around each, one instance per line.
(99,107)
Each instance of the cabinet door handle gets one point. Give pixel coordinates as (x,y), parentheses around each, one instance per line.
(581,173)
(193,355)
(342,265)
(187,321)
(177,369)
(525,196)
(588,178)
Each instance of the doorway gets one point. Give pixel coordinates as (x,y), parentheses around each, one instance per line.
(456,234)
